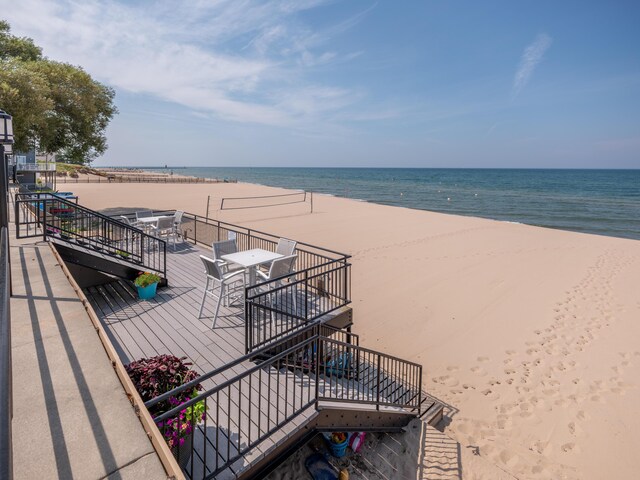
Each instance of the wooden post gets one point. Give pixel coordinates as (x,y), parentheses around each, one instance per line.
(311,202)
(208,200)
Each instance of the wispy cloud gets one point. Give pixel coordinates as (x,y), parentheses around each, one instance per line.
(239,60)
(531,57)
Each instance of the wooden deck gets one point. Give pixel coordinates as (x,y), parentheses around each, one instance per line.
(169,324)
(247,410)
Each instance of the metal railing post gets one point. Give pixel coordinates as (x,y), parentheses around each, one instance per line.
(306,294)
(318,345)
(248,321)
(142,235)
(164,255)
(378,385)
(44,220)
(6,400)
(420,391)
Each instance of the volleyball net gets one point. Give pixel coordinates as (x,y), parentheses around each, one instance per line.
(238,203)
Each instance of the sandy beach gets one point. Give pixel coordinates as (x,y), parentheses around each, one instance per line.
(530,335)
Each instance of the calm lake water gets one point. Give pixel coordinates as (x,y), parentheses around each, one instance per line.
(605,202)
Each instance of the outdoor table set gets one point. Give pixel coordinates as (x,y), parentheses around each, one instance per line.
(230,270)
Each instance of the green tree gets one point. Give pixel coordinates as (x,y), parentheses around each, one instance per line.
(25,94)
(56,106)
(21,48)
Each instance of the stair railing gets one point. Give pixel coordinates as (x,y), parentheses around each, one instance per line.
(63,220)
(242,410)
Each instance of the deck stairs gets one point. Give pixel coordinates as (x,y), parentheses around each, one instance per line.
(88,238)
(257,418)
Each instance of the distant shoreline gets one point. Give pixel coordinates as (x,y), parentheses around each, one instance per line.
(602,202)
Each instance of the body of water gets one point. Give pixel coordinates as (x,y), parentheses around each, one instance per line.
(605,202)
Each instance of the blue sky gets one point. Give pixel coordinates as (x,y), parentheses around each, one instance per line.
(357,83)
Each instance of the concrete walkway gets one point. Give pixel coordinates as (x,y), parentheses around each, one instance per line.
(71,416)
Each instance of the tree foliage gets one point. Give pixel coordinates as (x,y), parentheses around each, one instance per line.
(56,106)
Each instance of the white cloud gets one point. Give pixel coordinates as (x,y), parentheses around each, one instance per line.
(240,60)
(531,57)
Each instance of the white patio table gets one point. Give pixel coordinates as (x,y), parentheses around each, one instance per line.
(151,220)
(250,259)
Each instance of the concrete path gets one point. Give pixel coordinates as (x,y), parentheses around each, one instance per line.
(71,417)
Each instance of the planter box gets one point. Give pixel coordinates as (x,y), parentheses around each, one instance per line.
(147,293)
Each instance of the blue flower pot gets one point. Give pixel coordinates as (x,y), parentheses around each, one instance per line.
(148,292)
(338,450)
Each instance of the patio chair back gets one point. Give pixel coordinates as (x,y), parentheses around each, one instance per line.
(211,268)
(144,214)
(286,247)
(125,220)
(282,266)
(177,218)
(165,223)
(224,248)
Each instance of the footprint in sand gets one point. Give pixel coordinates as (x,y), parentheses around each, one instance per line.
(561,402)
(539,446)
(568,447)
(509,458)
(479,371)
(482,359)
(490,394)
(581,415)
(503,422)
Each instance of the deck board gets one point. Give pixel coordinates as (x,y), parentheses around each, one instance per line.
(169,324)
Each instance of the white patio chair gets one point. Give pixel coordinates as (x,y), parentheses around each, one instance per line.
(226,283)
(225,247)
(125,238)
(279,268)
(145,227)
(164,230)
(177,220)
(144,214)
(131,223)
(286,247)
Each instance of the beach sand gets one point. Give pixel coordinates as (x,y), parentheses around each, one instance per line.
(530,335)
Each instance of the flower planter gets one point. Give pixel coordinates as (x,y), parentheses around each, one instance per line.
(148,292)
(338,450)
(182,453)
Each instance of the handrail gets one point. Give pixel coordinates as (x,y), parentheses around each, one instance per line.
(239,228)
(322,278)
(63,220)
(308,367)
(317,292)
(257,286)
(6,396)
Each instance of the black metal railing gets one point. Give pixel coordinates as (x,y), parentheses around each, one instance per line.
(62,219)
(245,410)
(319,285)
(6,396)
(281,306)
